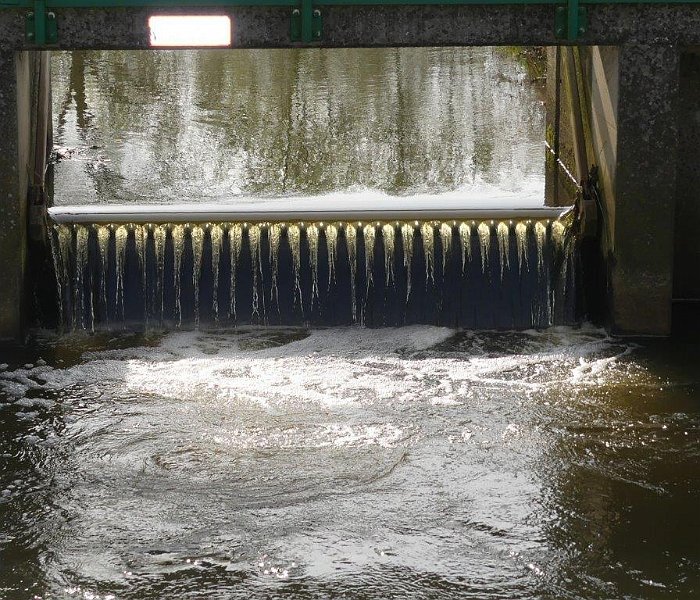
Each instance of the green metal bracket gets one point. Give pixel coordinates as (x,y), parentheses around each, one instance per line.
(570,21)
(40,25)
(306,23)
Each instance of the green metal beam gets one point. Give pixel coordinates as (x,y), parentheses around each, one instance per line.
(306,16)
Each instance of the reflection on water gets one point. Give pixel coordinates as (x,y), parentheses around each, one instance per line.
(414,462)
(191,126)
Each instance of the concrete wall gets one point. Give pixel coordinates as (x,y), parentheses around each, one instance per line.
(15,133)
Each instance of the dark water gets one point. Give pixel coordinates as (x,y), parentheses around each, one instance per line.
(350,463)
(212,126)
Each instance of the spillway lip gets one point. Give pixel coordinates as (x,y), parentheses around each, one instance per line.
(201,213)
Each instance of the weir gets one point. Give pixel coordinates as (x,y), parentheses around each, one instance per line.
(517,273)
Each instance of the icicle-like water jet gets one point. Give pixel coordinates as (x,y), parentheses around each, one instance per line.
(81,260)
(255,264)
(407,241)
(369,234)
(140,240)
(521,246)
(446,243)
(465,241)
(103,234)
(235,239)
(503,234)
(121,235)
(427,233)
(294,237)
(351,244)
(160,234)
(216,236)
(312,238)
(178,236)
(388,234)
(540,241)
(274,236)
(332,248)
(197,237)
(484,231)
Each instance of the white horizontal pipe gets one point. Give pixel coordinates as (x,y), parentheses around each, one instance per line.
(250,213)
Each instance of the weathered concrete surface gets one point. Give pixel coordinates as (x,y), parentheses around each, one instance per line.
(640,274)
(380,26)
(15,128)
(686,267)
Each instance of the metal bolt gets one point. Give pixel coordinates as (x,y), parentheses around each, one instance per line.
(296,12)
(317,13)
(51,16)
(30,36)
(30,15)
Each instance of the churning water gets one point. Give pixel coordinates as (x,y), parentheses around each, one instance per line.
(416,462)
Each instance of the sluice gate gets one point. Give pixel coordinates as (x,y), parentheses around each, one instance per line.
(516,269)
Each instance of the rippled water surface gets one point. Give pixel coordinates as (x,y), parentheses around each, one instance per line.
(217,126)
(415,462)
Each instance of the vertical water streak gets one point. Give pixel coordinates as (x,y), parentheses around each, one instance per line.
(197,239)
(312,238)
(274,234)
(351,243)
(369,234)
(484,232)
(160,234)
(503,235)
(255,264)
(216,236)
(178,235)
(60,270)
(103,235)
(521,243)
(121,235)
(294,237)
(407,241)
(388,234)
(428,236)
(446,243)
(465,240)
(332,247)
(81,258)
(558,233)
(140,239)
(235,239)
(541,241)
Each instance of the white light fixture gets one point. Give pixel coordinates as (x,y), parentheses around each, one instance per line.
(190,31)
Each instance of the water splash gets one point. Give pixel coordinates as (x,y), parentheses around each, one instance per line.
(332,248)
(121,235)
(446,243)
(216,235)
(407,241)
(294,237)
(312,238)
(427,233)
(484,232)
(178,236)
(255,264)
(160,234)
(197,238)
(369,234)
(503,235)
(465,240)
(235,239)
(388,234)
(351,243)
(103,234)
(541,241)
(521,245)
